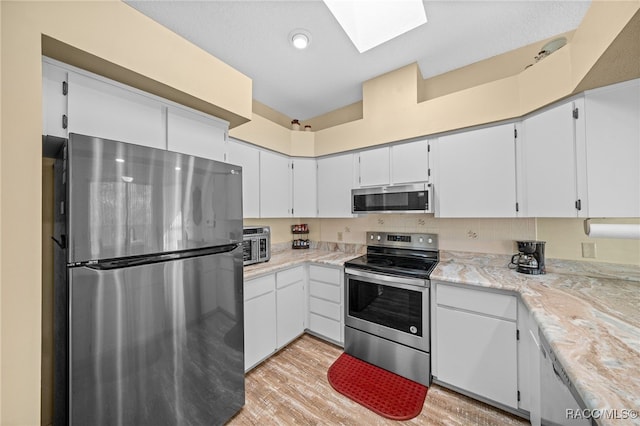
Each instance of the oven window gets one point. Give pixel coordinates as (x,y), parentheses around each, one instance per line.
(392,307)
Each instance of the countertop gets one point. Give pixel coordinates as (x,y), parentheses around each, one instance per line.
(588,312)
(283,259)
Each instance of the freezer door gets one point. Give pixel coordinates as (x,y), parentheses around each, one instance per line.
(130,200)
(158,344)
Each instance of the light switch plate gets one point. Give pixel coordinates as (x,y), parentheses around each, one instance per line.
(589,250)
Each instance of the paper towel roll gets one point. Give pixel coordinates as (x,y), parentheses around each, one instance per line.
(612,230)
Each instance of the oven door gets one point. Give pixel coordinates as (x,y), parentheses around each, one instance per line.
(393,307)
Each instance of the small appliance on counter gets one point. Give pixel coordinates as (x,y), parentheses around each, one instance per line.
(256,244)
(530,259)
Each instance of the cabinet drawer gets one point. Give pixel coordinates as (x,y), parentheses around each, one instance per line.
(324,308)
(290,276)
(325,327)
(259,286)
(483,302)
(324,291)
(327,275)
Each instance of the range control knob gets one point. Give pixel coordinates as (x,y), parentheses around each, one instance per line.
(430,240)
(421,240)
(379,238)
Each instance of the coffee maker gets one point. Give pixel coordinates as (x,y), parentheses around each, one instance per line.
(530,259)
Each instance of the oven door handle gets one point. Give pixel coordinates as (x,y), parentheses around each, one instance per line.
(387,278)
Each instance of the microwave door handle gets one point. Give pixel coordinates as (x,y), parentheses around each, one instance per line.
(254,248)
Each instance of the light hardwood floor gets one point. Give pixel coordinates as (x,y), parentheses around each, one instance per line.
(292,388)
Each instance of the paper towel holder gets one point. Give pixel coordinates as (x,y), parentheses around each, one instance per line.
(624,231)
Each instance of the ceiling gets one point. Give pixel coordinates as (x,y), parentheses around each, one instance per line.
(252,37)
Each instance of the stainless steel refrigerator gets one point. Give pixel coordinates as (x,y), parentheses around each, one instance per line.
(148,297)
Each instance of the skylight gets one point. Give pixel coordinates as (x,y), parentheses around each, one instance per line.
(371,23)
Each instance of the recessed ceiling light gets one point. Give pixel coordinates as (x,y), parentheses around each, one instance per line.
(300,39)
(119,160)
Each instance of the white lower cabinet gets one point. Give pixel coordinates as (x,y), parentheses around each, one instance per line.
(259,319)
(326,318)
(274,313)
(290,305)
(475,343)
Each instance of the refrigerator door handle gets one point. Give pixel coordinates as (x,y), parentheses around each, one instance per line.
(164,257)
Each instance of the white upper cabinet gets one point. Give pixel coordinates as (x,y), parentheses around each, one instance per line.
(248,157)
(275,185)
(374,167)
(54,100)
(553,173)
(612,116)
(101,109)
(335,180)
(305,185)
(410,162)
(476,173)
(194,133)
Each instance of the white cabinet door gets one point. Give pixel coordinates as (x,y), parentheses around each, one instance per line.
(192,133)
(335,180)
(305,201)
(410,162)
(100,109)
(290,305)
(248,158)
(54,101)
(275,185)
(259,320)
(613,150)
(550,169)
(476,173)
(478,353)
(374,167)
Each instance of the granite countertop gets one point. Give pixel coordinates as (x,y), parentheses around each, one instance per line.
(325,254)
(589,313)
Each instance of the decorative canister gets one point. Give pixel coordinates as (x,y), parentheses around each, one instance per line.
(307,128)
(295,125)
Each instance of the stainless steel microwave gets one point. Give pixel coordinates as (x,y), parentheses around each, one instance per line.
(256,244)
(416,198)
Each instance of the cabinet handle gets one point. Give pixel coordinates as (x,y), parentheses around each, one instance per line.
(64,121)
(579,205)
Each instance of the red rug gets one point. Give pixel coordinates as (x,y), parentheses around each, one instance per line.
(381,391)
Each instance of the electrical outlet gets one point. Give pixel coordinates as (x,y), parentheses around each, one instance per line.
(339,236)
(589,250)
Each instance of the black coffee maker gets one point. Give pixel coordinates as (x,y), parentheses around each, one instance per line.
(530,260)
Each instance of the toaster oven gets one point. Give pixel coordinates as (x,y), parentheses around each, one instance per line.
(256,244)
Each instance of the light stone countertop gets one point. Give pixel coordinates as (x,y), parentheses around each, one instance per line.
(329,255)
(588,312)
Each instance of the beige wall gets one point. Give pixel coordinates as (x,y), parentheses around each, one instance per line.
(475,235)
(565,237)
(109,34)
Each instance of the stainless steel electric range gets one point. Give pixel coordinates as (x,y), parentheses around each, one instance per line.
(387,307)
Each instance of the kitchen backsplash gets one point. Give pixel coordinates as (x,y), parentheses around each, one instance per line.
(564,237)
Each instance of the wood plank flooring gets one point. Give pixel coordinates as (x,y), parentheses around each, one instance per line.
(292,388)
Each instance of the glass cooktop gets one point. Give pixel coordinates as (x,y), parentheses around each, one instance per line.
(417,266)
